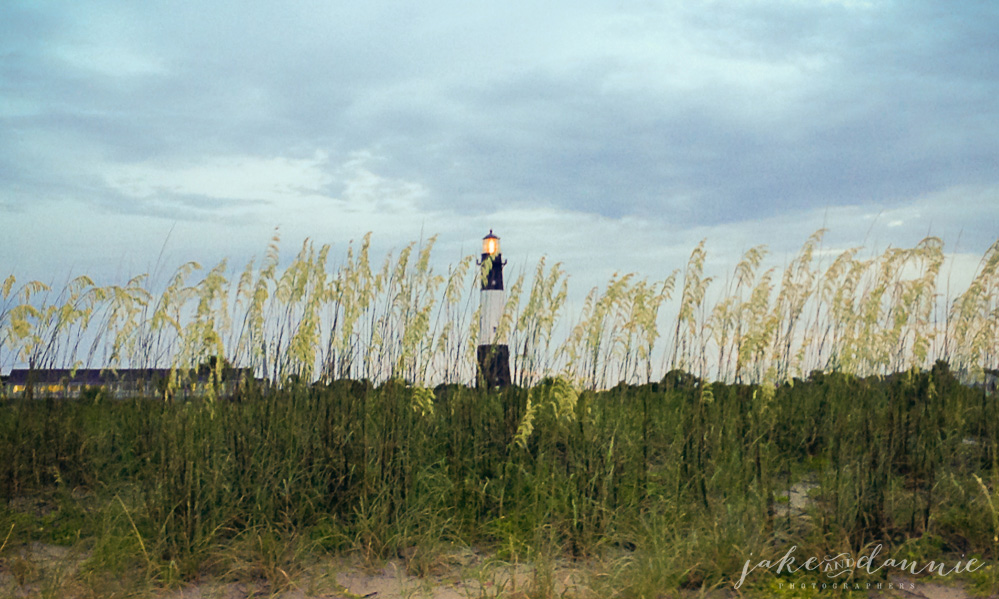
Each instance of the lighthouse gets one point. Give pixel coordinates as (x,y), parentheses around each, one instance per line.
(493,353)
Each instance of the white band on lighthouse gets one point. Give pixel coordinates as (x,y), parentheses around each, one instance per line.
(490,313)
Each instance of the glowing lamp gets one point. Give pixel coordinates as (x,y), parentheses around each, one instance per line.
(490,244)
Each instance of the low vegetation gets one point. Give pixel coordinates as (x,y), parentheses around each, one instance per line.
(665,486)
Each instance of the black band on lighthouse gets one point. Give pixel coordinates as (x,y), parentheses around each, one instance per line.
(492,278)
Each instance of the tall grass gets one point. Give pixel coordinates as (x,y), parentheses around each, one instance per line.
(675,483)
(320,318)
(611,447)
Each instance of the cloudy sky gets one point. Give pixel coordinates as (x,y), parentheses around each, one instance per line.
(608,135)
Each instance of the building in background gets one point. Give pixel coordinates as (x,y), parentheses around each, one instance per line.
(125,383)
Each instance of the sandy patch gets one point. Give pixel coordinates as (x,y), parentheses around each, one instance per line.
(461,576)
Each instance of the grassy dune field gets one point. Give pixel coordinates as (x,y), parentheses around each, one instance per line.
(832,408)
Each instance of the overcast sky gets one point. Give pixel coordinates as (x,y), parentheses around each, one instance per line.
(608,135)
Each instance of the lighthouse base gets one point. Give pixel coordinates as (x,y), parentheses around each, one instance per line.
(494,366)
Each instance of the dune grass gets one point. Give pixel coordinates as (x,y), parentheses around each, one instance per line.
(671,485)
(316,318)
(824,407)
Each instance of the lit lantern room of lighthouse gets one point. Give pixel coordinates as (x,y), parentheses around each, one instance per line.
(493,353)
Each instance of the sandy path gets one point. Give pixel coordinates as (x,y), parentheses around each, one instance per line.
(463,575)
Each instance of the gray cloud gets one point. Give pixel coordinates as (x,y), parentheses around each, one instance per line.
(685,115)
